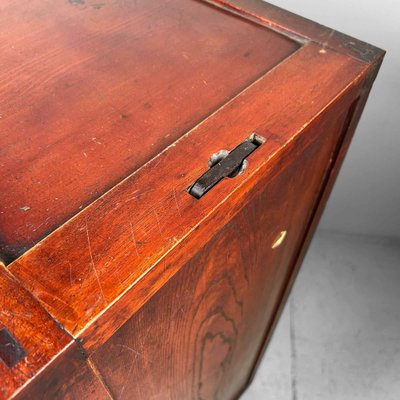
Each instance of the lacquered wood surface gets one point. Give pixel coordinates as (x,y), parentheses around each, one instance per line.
(199,336)
(353,117)
(117,240)
(90,93)
(50,364)
(136,248)
(69,377)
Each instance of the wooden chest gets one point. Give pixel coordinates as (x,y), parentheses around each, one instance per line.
(163,167)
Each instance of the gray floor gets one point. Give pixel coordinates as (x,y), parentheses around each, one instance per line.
(339,335)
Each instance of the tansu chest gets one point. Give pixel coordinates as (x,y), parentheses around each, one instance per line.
(163,168)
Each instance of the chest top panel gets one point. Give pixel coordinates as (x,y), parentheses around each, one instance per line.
(91,90)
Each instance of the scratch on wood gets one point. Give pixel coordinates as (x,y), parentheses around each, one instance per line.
(57,298)
(158,222)
(137,354)
(70,273)
(127,379)
(176,202)
(11,314)
(93,265)
(134,239)
(136,195)
(326,42)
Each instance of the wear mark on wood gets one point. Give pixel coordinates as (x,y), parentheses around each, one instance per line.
(176,202)
(158,222)
(93,264)
(134,239)
(330,36)
(70,273)
(97,6)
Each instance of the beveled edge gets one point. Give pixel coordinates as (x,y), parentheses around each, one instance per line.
(300,28)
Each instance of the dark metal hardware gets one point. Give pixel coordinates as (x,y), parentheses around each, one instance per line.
(11,352)
(225,165)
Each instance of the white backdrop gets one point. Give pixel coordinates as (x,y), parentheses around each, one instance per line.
(366,198)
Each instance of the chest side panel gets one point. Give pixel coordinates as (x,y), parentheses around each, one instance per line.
(199,336)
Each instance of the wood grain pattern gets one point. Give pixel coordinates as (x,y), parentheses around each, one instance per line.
(115,241)
(146,281)
(118,312)
(354,115)
(89,95)
(199,336)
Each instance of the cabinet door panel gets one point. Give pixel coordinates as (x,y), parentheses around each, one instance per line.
(199,336)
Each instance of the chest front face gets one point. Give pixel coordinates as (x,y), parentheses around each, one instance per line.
(164,165)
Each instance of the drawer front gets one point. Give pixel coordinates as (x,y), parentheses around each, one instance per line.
(199,336)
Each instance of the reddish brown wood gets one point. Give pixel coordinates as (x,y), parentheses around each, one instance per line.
(21,315)
(100,329)
(205,326)
(300,28)
(117,239)
(353,117)
(89,95)
(69,377)
(41,342)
